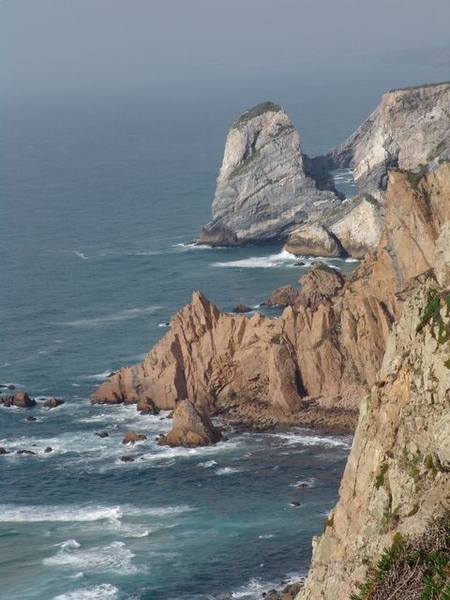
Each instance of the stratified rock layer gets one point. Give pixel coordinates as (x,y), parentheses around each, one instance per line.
(262,189)
(410,128)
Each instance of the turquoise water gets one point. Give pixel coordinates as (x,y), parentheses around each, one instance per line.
(101,199)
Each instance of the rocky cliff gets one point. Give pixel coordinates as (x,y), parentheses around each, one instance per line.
(265,186)
(410,128)
(397,477)
(321,354)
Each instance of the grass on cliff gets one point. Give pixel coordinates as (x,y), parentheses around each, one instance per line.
(256,111)
(413,569)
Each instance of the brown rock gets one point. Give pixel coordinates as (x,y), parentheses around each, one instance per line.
(283,296)
(53,402)
(241,309)
(146,406)
(20,399)
(132,437)
(190,428)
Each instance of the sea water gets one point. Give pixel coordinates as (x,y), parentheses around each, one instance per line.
(102,200)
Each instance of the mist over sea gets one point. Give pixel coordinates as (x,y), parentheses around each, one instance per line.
(102,195)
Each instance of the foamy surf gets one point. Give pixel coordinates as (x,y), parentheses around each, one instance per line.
(282,259)
(98,592)
(123,315)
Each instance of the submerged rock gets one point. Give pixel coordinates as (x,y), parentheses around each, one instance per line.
(53,402)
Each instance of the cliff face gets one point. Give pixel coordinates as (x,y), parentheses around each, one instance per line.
(327,347)
(262,188)
(398,473)
(409,128)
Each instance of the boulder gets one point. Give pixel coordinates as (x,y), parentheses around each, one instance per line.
(242,309)
(20,399)
(131,437)
(313,240)
(3,451)
(53,402)
(283,296)
(190,428)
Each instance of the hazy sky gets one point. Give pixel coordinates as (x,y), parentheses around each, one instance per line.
(48,44)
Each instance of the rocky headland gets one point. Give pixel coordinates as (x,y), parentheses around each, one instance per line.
(369,349)
(268,189)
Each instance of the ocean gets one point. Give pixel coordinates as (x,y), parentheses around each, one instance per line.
(102,198)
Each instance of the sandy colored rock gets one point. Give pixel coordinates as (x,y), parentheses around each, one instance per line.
(190,428)
(313,240)
(132,437)
(283,296)
(53,402)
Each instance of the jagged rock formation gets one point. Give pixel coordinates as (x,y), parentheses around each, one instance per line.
(190,428)
(410,128)
(398,474)
(328,346)
(263,190)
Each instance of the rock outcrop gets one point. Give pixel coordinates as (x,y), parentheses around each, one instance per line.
(398,474)
(263,191)
(19,399)
(409,129)
(190,428)
(322,353)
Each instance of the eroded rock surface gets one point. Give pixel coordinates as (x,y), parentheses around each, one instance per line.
(190,428)
(262,189)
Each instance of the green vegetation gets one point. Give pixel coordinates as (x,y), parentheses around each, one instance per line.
(245,164)
(276,339)
(415,177)
(417,568)
(379,480)
(440,148)
(410,464)
(438,302)
(256,111)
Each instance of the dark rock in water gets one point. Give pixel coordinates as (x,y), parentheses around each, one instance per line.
(127,459)
(146,406)
(287,593)
(102,434)
(132,437)
(7,386)
(190,428)
(30,418)
(27,452)
(300,263)
(283,296)
(241,309)
(3,451)
(20,399)
(48,449)
(53,402)
(295,503)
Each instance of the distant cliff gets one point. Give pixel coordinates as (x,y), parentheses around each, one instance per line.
(409,129)
(265,186)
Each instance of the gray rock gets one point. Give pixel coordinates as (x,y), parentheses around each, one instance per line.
(263,191)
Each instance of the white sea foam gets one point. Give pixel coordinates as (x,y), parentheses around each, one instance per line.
(255,588)
(305,483)
(303,439)
(36,514)
(194,245)
(80,254)
(228,470)
(98,592)
(98,376)
(69,545)
(282,259)
(112,557)
(208,464)
(122,315)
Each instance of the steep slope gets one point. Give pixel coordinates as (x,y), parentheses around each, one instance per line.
(410,128)
(263,190)
(398,474)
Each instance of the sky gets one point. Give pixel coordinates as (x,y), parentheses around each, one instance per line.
(69,44)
